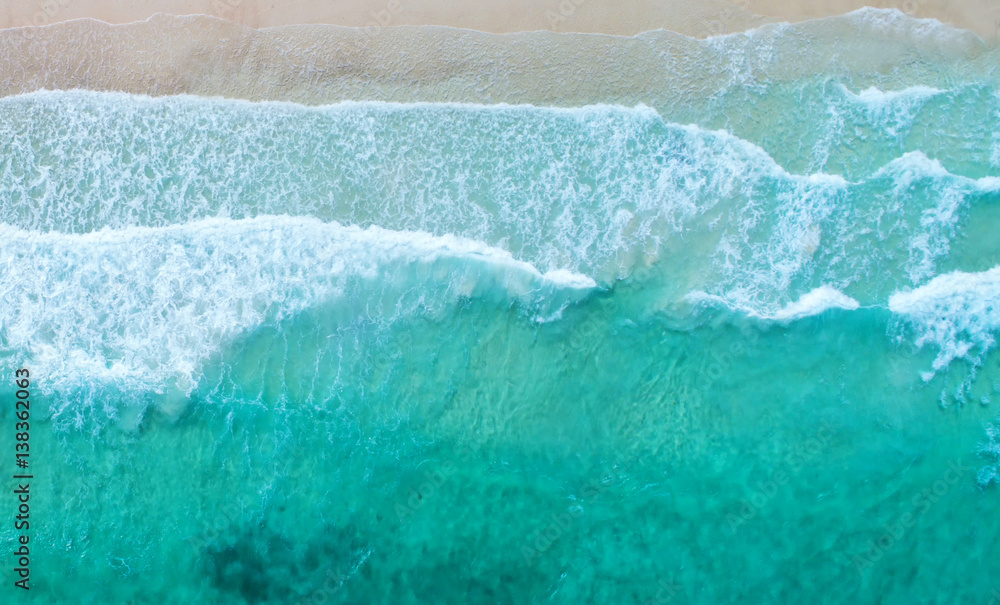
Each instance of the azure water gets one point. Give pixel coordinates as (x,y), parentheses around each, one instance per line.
(738,351)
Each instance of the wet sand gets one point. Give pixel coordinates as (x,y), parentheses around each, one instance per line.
(669,69)
(317,64)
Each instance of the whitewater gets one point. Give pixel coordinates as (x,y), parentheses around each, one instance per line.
(408,352)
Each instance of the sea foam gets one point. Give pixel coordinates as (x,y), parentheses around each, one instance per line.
(815,302)
(958,313)
(605,191)
(141,308)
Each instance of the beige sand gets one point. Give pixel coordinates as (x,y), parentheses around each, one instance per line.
(323,63)
(691,17)
(702,17)
(316,64)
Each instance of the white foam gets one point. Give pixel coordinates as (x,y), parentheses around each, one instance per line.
(990,450)
(596,191)
(121,100)
(958,313)
(816,301)
(890,112)
(875,97)
(142,308)
(938,223)
(129,161)
(800,233)
(995,148)
(568,279)
(911,166)
(887,20)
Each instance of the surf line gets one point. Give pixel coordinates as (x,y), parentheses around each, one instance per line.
(22,436)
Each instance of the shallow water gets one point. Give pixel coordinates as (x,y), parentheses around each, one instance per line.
(438,352)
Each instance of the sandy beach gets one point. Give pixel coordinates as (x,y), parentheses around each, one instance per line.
(317,64)
(609,302)
(697,18)
(447,50)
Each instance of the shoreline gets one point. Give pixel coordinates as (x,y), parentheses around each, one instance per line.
(322,64)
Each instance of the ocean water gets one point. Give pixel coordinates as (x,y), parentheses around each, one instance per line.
(739,351)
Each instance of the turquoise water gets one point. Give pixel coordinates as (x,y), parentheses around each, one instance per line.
(458,353)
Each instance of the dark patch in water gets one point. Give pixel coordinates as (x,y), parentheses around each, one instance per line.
(260,565)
